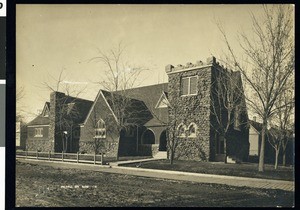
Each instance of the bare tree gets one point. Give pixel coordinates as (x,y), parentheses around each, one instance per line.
(283,119)
(66,110)
(275,140)
(119,76)
(20,93)
(227,103)
(269,56)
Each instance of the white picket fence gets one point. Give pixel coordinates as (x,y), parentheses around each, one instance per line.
(64,157)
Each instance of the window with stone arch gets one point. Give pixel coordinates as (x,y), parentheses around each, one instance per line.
(181,130)
(100,130)
(192,130)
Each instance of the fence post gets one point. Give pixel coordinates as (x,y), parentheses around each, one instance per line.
(101,158)
(94,157)
(77,157)
(49,155)
(62,156)
(37,155)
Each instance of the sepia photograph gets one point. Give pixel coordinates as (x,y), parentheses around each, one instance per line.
(158,105)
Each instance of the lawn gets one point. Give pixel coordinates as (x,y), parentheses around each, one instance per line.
(243,169)
(46,186)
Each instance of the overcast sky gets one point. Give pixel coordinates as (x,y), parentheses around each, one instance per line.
(55,37)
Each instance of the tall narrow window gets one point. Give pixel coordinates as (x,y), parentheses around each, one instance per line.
(38,132)
(189,85)
(192,129)
(100,130)
(181,130)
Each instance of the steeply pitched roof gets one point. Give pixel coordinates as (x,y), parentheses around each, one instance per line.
(256,125)
(40,120)
(135,110)
(143,101)
(82,107)
(150,96)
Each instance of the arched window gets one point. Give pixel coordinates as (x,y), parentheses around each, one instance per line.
(192,130)
(100,130)
(181,130)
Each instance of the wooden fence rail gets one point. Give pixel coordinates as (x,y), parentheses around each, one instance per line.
(64,157)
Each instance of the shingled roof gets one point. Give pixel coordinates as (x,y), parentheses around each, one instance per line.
(150,96)
(40,120)
(82,107)
(135,110)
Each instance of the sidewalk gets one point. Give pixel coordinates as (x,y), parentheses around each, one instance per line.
(175,175)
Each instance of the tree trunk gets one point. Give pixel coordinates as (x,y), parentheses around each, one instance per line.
(276,158)
(284,146)
(284,158)
(261,164)
(225,148)
(171,156)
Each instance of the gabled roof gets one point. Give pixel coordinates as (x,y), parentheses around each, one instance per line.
(256,125)
(40,120)
(143,101)
(46,109)
(150,95)
(135,110)
(82,107)
(43,118)
(163,101)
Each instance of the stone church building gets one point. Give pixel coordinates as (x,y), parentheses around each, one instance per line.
(140,121)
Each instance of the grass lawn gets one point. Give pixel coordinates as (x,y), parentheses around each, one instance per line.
(46,186)
(243,169)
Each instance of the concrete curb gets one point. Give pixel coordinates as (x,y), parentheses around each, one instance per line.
(205,175)
(133,161)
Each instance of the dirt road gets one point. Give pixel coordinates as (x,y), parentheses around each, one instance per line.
(38,185)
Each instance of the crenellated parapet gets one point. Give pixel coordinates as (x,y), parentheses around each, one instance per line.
(209,61)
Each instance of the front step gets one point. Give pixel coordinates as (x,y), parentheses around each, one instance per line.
(161,155)
(231,159)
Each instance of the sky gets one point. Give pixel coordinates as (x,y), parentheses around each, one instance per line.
(50,38)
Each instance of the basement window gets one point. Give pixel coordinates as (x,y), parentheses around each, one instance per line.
(189,85)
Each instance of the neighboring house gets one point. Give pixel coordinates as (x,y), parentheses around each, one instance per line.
(57,127)
(255,142)
(38,132)
(21,135)
(149,119)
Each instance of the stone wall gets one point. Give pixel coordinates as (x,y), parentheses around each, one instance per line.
(191,109)
(100,110)
(148,149)
(39,145)
(110,149)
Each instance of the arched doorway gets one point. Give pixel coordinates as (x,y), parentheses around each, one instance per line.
(148,137)
(163,141)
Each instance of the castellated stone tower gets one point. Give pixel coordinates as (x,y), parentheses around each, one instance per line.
(191,121)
